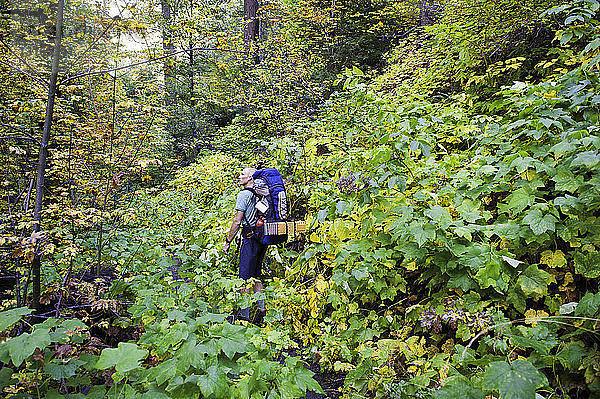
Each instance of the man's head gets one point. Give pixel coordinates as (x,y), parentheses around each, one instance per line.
(245,178)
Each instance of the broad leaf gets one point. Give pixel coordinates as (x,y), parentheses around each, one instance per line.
(571,355)
(57,369)
(124,358)
(534,282)
(5,377)
(588,305)
(520,199)
(213,383)
(538,222)
(23,346)
(10,317)
(517,380)
(458,390)
(587,263)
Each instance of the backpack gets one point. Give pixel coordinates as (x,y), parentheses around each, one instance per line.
(271,204)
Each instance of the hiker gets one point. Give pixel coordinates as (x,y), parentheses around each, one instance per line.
(252,251)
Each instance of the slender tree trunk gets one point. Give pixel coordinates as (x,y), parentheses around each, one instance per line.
(251,33)
(168,48)
(43,157)
(429,11)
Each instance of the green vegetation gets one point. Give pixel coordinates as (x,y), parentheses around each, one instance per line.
(449,176)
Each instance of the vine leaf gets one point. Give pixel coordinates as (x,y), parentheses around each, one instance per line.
(586,263)
(213,383)
(24,345)
(534,282)
(63,370)
(588,305)
(5,377)
(125,357)
(515,380)
(571,355)
(10,317)
(538,222)
(458,390)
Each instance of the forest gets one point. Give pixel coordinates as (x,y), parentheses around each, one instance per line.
(444,156)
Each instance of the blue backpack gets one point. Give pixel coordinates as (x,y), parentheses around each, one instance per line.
(271,204)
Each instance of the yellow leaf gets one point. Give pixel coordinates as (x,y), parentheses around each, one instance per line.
(533,316)
(553,259)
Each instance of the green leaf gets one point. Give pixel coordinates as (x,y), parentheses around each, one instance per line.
(458,390)
(439,215)
(571,355)
(588,305)
(10,317)
(5,377)
(231,340)
(214,383)
(565,180)
(164,372)
(153,393)
(588,159)
(125,357)
(587,264)
(304,379)
(422,234)
(538,222)
(57,369)
(488,276)
(534,282)
(517,380)
(24,345)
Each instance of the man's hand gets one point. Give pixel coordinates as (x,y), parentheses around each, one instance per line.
(226,246)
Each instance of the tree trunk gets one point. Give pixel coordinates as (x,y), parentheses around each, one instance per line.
(168,48)
(251,33)
(429,12)
(43,157)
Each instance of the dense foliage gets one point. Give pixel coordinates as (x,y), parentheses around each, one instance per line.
(452,202)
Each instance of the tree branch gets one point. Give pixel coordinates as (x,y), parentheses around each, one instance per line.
(43,82)
(104,71)
(41,78)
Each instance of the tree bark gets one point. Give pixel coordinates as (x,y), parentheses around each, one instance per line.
(43,156)
(251,33)
(429,12)
(167,37)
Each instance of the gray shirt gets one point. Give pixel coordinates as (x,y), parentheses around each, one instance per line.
(245,202)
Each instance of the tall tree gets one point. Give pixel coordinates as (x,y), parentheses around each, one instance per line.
(251,33)
(43,155)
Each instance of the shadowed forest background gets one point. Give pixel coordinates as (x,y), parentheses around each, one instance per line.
(444,154)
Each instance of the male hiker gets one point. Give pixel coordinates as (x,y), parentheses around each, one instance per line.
(252,251)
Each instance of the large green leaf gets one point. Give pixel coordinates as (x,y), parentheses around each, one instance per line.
(588,159)
(5,377)
(124,358)
(58,369)
(516,380)
(458,390)
(214,382)
(565,180)
(304,379)
(164,371)
(571,355)
(10,317)
(538,222)
(589,305)
(520,199)
(439,215)
(23,346)
(587,263)
(534,282)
